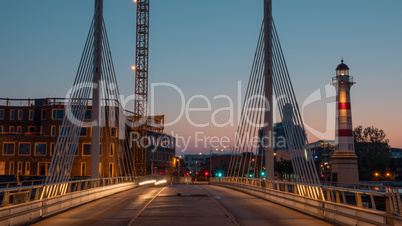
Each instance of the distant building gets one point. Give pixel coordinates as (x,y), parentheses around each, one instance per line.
(29,129)
(282,141)
(195,162)
(322,151)
(396,162)
(396,153)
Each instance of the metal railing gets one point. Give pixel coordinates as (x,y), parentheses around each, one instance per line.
(26,192)
(343,79)
(13,184)
(377,198)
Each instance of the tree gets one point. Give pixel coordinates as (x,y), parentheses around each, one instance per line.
(373,151)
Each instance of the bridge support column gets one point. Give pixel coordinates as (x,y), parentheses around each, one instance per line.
(96,91)
(268,117)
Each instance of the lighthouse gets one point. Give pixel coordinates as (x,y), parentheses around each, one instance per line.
(344,159)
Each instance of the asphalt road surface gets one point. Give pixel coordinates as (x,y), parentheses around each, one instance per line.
(195,205)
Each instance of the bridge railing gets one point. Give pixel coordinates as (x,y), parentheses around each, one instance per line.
(12,184)
(384,199)
(33,192)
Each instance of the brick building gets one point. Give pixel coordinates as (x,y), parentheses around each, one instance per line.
(29,129)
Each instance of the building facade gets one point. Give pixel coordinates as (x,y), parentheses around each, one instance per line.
(322,151)
(29,130)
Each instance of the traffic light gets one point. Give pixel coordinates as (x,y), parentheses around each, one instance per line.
(219,174)
(251,175)
(262,173)
(206,174)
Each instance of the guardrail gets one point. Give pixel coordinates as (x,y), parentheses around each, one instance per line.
(34,192)
(343,205)
(12,184)
(21,205)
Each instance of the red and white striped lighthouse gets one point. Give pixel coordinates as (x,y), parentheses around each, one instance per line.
(344,159)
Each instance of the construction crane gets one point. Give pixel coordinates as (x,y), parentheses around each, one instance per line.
(141,82)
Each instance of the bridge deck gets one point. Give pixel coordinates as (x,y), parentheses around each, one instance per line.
(198,205)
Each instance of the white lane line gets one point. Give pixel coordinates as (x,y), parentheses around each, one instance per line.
(142,210)
(233,218)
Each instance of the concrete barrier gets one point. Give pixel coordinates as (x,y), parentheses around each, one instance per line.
(24,213)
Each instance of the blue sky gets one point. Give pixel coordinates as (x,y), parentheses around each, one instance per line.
(205,47)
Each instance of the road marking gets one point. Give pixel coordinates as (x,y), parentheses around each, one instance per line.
(142,210)
(233,218)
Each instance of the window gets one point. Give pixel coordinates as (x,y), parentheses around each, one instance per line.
(75,148)
(53,131)
(86,149)
(111,149)
(83,168)
(42,169)
(31,115)
(31,129)
(83,132)
(11,129)
(8,148)
(1,114)
(113,132)
(88,114)
(19,168)
(111,170)
(19,129)
(1,129)
(24,149)
(11,169)
(52,146)
(113,115)
(12,114)
(27,168)
(58,114)
(20,116)
(43,114)
(40,148)
(72,149)
(63,131)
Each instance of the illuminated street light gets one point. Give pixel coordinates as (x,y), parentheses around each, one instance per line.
(133,68)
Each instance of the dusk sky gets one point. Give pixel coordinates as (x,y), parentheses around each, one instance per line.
(206,47)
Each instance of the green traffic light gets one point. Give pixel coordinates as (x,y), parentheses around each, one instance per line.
(263,173)
(219,174)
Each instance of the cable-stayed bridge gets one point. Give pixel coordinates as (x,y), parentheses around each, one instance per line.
(124,170)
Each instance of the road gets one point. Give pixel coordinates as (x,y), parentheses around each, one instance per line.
(197,205)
